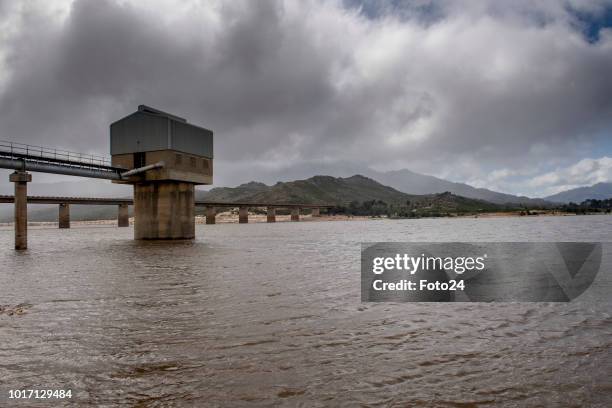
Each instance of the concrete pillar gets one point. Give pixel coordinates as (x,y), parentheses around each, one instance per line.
(211,213)
(164,210)
(64,215)
(21,180)
(316,212)
(243,215)
(295,214)
(271,215)
(123,216)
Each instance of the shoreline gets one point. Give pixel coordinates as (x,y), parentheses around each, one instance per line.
(230,218)
(222,218)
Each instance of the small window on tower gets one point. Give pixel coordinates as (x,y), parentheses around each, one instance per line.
(178,159)
(140,159)
(192,161)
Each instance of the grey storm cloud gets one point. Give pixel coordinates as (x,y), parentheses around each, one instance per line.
(433,86)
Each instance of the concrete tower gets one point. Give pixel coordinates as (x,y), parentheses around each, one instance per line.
(166,157)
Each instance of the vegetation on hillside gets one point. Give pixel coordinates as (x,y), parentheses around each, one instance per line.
(432,205)
(589,206)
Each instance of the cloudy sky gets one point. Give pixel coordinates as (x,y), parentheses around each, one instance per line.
(511,96)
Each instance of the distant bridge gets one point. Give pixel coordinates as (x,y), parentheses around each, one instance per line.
(123,203)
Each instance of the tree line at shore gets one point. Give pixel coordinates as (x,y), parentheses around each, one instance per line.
(589,206)
(380,208)
(412,209)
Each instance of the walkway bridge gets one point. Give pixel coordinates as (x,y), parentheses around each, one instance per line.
(23,157)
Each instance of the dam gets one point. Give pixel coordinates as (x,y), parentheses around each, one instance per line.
(162,155)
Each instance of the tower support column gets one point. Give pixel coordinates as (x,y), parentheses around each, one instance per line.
(21,180)
(271,214)
(164,210)
(211,213)
(64,215)
(123,216)
(243,215)
(295,214)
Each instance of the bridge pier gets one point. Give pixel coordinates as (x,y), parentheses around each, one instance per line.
(211,214)
(164,210)
(295,214)
(316,212)
(243,215)
(271,214)
(64,215)
(123,216)
(21,180)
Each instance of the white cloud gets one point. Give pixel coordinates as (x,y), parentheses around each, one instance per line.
(583,173)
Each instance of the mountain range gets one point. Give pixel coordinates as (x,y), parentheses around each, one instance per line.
(599,191)
(341,192)
(315,190)
(410,182)
(416,183)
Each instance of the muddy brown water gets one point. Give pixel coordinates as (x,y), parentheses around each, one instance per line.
(270,315)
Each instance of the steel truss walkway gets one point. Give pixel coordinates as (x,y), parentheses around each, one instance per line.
(19,156)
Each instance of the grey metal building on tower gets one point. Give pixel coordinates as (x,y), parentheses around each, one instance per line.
(164,157)
(150,136)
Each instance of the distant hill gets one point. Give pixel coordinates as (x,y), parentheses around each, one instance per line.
(236,194)
(342,191)
(315,190)
(415,183)
(599,191)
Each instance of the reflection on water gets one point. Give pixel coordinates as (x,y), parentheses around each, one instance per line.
(270,314)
